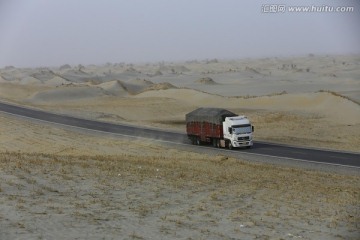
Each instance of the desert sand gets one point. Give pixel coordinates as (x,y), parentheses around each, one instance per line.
(308,101)
(68,183)
(58,183)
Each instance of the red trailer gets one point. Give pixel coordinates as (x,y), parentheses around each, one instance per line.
(206,125)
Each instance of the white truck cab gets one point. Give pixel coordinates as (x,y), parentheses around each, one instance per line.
(238,132)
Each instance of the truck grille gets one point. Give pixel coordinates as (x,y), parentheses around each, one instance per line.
(244,138)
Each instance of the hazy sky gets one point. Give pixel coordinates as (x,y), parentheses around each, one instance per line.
(54,32)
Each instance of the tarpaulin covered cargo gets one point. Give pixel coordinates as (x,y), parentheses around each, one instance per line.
(211,115)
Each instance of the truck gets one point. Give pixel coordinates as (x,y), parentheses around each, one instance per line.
(219,127)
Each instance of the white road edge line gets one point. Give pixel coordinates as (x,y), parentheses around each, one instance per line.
(157,140)
(307,147)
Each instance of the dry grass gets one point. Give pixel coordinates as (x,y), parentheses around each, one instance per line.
(173,195)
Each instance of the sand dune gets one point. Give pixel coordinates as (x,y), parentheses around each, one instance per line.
(189,96)
(157,73)
(64,67)
(252,70)
(14,74)
(140,82)
(57,81)
(206,80)
(62,94)
(159,86)
(324,103)
(173,68)
(337,109)
(115,88)
(30,80)
(43,75)
(137,85)
(121,88)
(2,80)
(131,70)
(77,76)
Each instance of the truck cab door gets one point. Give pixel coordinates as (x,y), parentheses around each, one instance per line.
(226,130)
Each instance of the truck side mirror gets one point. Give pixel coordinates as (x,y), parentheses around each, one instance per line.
(252,128)
(230,130)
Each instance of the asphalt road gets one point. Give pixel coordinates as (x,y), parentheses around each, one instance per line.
(263,148)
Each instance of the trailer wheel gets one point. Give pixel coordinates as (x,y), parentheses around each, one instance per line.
(218,143)
(198,142)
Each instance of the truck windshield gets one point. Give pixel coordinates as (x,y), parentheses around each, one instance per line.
(241,129)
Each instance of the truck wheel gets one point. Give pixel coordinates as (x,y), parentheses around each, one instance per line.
(193,140)
(218,143)
(198,142)
(230,146)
